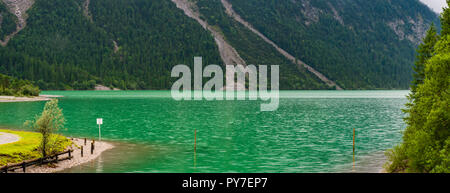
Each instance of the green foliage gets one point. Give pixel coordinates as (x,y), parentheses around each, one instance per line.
(62,49)
(358,50)
(50,121)
(28,147)
(445,20)
(424,52)
(397,160)
(426,140)
(10,86)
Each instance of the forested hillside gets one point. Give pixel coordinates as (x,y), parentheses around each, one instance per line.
(61,48)
(133,44)
(359,44)
(254,50)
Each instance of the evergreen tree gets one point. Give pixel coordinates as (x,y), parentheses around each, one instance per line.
(426,140)
(445,20)
(424,52)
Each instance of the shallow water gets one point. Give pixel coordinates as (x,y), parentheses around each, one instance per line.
(310,132)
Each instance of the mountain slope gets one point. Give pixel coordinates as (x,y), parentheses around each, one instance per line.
(299,63)
(62,49)
(254,50)
(76,44)
(359,44)
(241,45)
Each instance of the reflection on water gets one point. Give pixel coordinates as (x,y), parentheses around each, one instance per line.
(366,163)
(123,154)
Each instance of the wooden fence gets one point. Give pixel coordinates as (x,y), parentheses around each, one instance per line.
(39,161)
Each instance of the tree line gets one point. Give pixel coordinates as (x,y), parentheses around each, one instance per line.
(62,49)
(426,139)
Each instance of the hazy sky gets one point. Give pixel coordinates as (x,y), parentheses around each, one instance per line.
(436,5)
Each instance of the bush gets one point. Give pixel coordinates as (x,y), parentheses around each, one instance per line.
(29,90)
(10,86)
(426,139)
(397,160)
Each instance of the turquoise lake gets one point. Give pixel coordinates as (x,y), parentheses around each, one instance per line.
(312,131)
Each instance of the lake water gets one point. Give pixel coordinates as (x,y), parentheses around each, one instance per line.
(310,132)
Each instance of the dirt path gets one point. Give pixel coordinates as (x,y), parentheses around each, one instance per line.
(8,138)
(18,8)
(301,64)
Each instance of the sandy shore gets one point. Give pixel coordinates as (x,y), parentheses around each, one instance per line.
(100,147)
(27,99)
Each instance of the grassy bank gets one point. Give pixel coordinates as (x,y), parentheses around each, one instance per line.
(28,146)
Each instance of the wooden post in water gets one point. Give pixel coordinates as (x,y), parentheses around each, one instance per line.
(354,137)
(195,146)
(92,147)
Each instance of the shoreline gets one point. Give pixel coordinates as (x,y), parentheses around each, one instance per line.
(7,99)
(100,147)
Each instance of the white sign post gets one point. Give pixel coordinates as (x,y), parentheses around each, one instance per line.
(99,122)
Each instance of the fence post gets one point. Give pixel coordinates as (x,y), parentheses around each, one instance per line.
(56,158)
(92,147)
(24,165)
(354,137)
(70,151)
(81,151)
(84,141)
(195,147)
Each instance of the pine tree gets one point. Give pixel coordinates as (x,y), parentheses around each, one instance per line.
(424,52)
(445,20)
